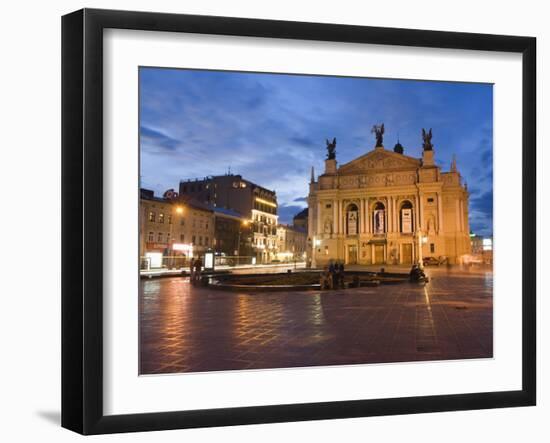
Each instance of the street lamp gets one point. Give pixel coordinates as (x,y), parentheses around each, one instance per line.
(244,223)
(178,210)
(421,241)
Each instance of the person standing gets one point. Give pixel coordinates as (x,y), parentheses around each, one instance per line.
(198,269)
(332,274)
(191,268)
(341,274)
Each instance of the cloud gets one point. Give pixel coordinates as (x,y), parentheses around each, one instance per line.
(271,128)
(287,213)
(302,141)
(157,139)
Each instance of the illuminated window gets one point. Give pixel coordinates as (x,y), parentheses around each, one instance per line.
(151,236)
(161,218)
(379,218)
(169,219)
(406,218)
(151,216)
(432,248)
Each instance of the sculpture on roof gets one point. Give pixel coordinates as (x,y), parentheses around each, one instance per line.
(427,138)
(378,131)
(331,149)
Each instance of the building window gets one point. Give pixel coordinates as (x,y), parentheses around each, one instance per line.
(328,206)
(182,238)
(182,222)
(169,219)
(194,239)
(151,216)
(352,219)
(406,218)
(379,218)
(168,238)
(205,241)
(430,200)
(151,236)
(159,237)
(161,218)
(200,240)
(432,248)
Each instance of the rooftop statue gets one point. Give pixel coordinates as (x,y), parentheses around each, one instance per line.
(378,131)
(427,137)
(331,149)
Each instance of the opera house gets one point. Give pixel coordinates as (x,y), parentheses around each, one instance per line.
(385,207)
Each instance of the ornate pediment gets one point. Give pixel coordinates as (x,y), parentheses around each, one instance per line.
(377,161)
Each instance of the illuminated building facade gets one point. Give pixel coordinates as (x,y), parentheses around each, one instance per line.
(292,243)
(255,203)
(173,229)
(385,207)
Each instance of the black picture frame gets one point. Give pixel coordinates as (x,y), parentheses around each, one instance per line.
(82,215)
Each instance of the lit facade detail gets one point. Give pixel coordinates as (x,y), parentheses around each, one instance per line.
(387,208)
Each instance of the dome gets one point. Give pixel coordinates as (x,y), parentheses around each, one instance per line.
(398,148)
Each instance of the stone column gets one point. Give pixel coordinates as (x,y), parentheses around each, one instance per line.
(416,213)
(389,214)
(367,216)
(421,209)
(361,217)
(457,217)
(319,222)
(461,215)
(335,216)
(439,213)
(395,216)
(341,224)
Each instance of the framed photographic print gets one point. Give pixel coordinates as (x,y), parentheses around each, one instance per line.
(269,221)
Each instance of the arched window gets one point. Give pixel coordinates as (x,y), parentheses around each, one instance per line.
(379,218)
(352,219)
(406,217)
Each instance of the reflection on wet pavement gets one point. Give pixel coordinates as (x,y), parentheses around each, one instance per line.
(190,329)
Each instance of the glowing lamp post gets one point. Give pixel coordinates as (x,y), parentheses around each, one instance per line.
(422,240)
(244,224)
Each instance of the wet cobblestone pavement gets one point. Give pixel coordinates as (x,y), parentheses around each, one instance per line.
(190,329)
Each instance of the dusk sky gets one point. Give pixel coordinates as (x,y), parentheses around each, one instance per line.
(271,129)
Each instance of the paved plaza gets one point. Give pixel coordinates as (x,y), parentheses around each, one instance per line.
(193,329)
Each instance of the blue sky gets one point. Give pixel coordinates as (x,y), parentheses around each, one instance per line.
(271,128)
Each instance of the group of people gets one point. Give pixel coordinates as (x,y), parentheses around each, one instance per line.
(417,274)
(332,276)
(195,270)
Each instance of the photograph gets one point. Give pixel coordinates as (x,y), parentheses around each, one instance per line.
(291,220)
